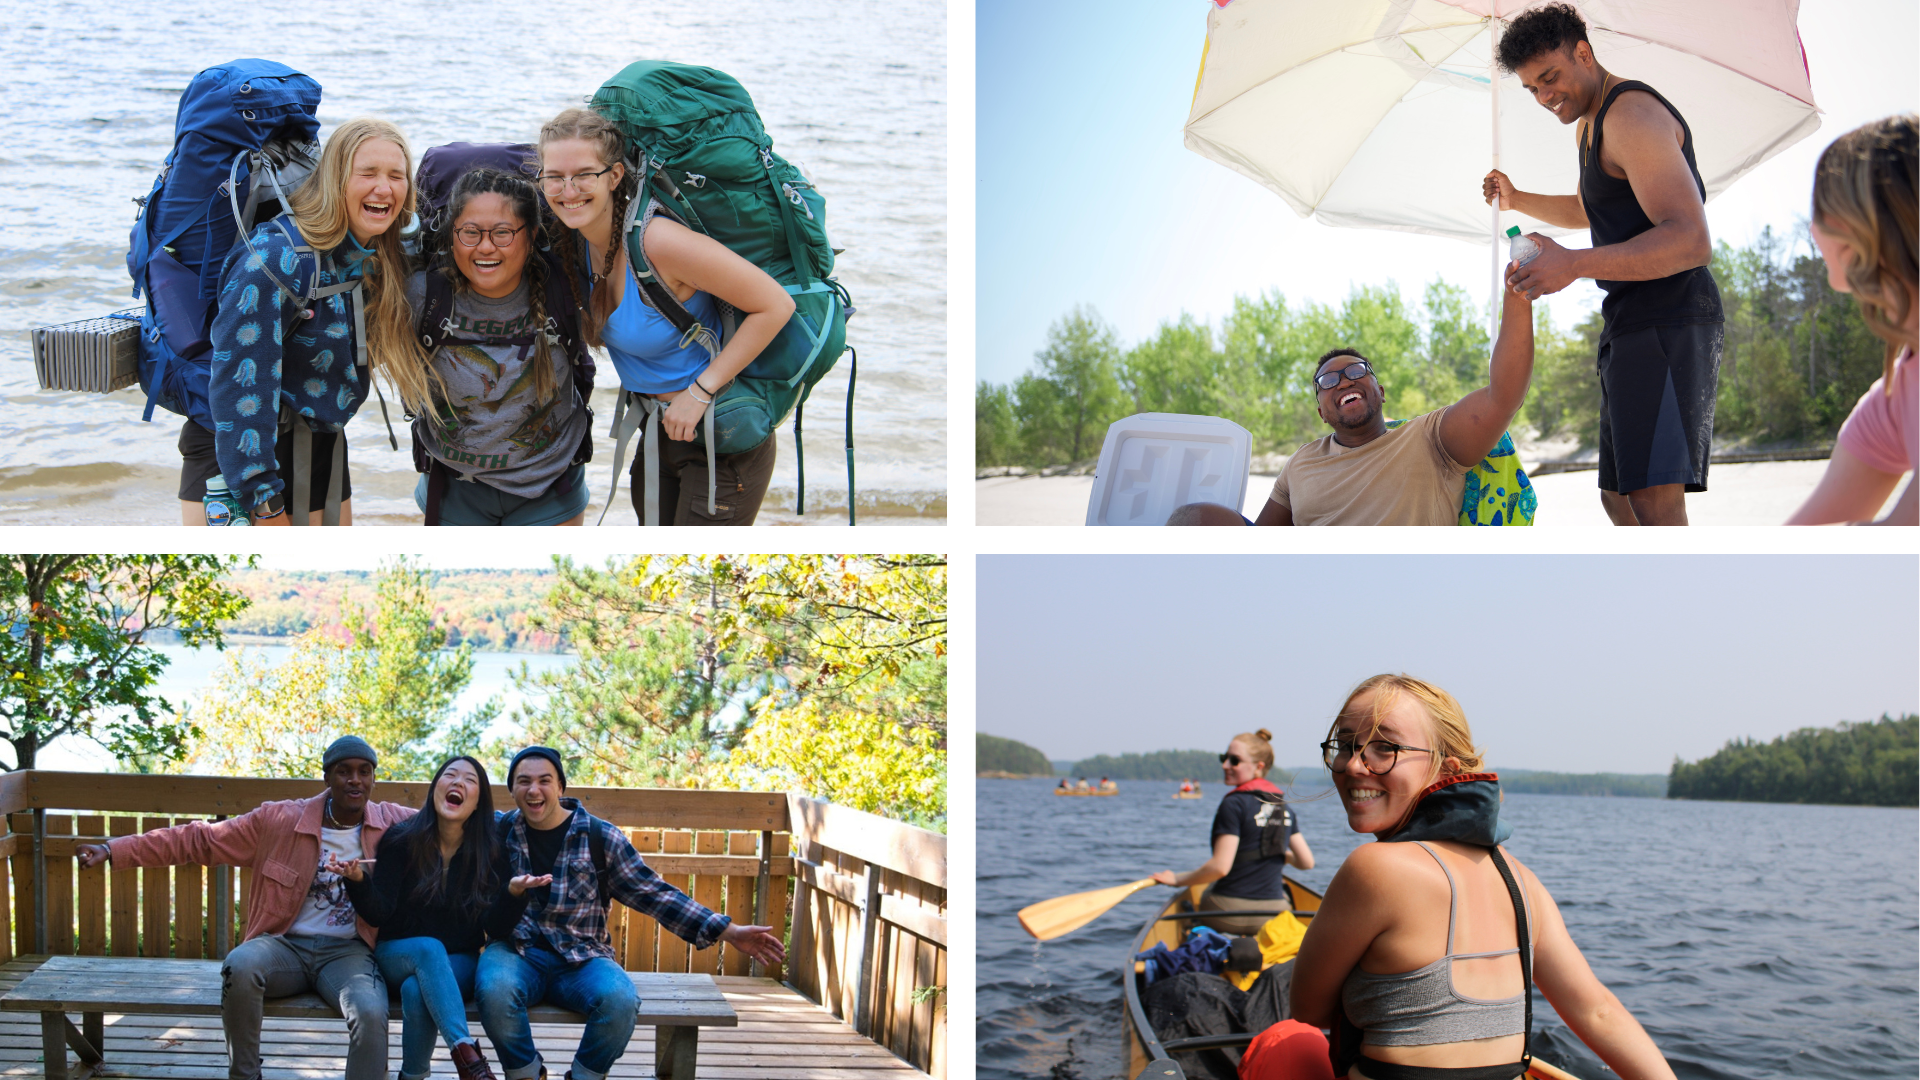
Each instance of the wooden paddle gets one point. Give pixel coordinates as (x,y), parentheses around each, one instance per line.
(1048,919)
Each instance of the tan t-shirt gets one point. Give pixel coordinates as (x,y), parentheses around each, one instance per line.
(1404,477)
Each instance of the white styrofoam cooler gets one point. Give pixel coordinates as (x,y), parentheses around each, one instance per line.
(1154,462)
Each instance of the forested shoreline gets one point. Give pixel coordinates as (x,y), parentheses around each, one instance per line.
(1874,763)
(1008,757)
(1798,356)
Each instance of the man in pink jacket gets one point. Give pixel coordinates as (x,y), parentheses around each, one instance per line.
(302,933)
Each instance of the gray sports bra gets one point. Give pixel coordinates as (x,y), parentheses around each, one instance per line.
(1419,1008)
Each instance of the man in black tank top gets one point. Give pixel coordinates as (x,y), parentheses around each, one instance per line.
(1641,196)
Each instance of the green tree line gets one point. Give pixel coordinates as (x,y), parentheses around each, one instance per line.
(1797,357)
(1158,765)
(1615,785)
(996,755)
(1875,763)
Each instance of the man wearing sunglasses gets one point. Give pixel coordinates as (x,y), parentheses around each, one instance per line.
(1414,473)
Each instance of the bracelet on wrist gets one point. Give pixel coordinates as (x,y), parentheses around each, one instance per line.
(697,397)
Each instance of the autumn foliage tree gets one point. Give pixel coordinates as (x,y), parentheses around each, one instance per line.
(77,649)
(822,673)
(383,674)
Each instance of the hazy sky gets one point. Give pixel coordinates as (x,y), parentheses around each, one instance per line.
(1086,195)
(1573,664)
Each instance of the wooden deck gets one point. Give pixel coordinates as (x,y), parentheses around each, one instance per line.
(782,1036)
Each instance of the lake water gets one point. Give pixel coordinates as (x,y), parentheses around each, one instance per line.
(1753,941)
(853,92)
(189,671)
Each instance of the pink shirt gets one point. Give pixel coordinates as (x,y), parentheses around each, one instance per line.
(1883,430)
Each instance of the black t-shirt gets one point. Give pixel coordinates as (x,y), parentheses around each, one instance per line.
(544,847)
(1247,814)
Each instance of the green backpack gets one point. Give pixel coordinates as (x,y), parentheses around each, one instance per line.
(703,158)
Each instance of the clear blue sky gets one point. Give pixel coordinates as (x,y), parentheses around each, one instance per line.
(1565,663)
(1086,195)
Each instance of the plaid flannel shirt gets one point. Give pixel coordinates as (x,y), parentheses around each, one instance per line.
(573,920)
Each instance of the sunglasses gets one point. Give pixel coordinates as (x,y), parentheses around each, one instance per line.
(1327,380)
(1231,759)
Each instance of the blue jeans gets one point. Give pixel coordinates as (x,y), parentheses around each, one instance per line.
(509,983)
(434,985)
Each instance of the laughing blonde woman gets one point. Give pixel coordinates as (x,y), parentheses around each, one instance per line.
(274,366)
(1424,953)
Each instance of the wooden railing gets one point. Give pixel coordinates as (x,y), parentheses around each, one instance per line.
(870,926)
(728,850)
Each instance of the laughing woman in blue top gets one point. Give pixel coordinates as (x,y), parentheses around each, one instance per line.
(589,189)
(266,357)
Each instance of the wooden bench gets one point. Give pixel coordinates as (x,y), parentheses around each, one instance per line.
(677,1005)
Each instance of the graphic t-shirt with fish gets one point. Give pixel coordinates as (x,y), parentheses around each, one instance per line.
(327,912)
(492,426)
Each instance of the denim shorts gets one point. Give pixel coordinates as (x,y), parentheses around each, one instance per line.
(474,502)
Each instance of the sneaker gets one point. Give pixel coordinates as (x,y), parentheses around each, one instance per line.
(469,1062)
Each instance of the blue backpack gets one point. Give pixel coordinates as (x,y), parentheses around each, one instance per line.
(244,138)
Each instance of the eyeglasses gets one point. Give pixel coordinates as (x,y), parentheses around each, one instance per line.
(1377,757)
(470,235)
(555,183)
(1230,759)
(1327,380)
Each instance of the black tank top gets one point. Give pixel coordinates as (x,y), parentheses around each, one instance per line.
(1614,216)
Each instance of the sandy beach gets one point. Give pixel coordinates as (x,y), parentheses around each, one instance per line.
(1751,493)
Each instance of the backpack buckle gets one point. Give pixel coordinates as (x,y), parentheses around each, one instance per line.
(695,180)
(794,198)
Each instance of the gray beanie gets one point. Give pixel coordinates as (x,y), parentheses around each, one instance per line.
(348,746)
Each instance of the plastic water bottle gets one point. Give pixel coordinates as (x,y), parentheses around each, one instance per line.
(1520,249)
(221,506)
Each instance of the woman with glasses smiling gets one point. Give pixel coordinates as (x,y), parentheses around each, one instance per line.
(496,405)
(1425,950)
(674,379)
(1254,837)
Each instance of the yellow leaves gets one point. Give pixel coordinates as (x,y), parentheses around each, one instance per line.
(846,756)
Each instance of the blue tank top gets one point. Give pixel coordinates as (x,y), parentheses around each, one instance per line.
(646,349)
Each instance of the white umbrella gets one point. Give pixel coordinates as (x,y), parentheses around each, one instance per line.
(1377,113)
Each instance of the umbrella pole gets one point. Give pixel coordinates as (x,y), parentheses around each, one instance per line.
(1493,83)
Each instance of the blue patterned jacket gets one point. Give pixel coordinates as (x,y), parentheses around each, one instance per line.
(260,357)
(572,915)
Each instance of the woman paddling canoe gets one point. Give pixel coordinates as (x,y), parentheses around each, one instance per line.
(1254,837)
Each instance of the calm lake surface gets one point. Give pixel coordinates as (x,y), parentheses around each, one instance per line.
(853,92)
(1752,940)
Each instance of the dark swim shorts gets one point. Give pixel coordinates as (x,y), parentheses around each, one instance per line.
(1657,387)
(197,465)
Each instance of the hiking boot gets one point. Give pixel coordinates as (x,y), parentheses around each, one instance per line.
(468,1061)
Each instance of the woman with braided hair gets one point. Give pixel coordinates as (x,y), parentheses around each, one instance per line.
(496,406)
(590,189)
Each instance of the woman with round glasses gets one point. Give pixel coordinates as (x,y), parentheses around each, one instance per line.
(674,379)
(496,405)
(1416,958)
(1254,837)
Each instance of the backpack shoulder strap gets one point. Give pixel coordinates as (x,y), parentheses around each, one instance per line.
(640,213)
(563,320)
(436,313)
